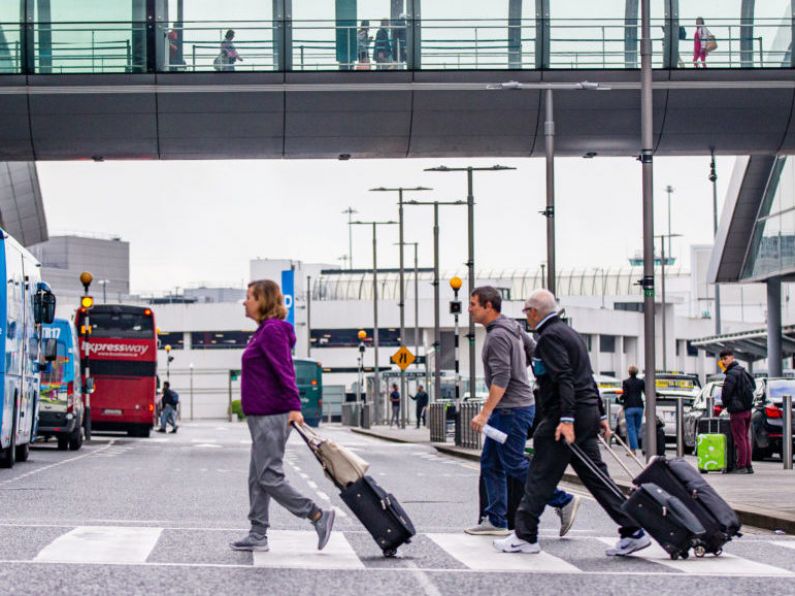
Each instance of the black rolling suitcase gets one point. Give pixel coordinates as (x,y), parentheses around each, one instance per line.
(380,513)
(681,480)
(661,514)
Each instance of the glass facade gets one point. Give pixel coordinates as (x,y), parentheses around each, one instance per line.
(772,250)
(112,36)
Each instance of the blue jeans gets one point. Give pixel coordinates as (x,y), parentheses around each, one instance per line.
(497,462)
(168,415)
(634,417)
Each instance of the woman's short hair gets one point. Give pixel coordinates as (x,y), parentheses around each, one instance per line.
(230,33)
(633,370)
(269,298)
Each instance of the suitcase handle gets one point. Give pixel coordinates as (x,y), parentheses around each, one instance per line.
(606,480)
(613,454)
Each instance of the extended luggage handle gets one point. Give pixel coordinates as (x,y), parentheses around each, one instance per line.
(629,451)
(606,480)
(613,454)
(309,436)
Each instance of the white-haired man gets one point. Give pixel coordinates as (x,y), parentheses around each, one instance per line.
(568,403)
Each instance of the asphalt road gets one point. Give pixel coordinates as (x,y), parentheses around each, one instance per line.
(143,516)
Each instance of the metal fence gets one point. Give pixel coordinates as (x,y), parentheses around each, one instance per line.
(350,414)
(437,413)
(465,436)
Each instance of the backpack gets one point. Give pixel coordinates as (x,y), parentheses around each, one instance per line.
(745,391)
(174,397)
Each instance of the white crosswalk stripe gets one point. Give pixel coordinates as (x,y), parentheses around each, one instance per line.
(101,544)
(297,549)
(725,564)
(478,553)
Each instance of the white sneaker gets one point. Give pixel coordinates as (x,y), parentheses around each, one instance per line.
(486,528)
(514,544)
(567,514)
(630,544)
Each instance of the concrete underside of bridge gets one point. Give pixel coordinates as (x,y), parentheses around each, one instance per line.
(386,115)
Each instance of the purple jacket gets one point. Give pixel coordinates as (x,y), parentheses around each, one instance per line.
(267,379)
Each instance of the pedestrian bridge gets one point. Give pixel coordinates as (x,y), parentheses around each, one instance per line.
(135,79)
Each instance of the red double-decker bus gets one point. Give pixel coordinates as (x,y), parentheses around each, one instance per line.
(122,361)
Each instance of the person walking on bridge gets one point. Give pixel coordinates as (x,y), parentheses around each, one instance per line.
(569,405)
(510,408)
(703,43)
(270,401)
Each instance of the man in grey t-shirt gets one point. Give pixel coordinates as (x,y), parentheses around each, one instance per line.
(510,408)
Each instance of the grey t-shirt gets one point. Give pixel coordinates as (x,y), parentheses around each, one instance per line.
(507,353)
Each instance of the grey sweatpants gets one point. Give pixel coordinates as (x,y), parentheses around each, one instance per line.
(266,473)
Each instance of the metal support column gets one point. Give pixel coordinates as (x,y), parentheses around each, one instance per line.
(308,316)
(646,159)
(662,301)
(774,357)
(471,276)
(549,211)
(786,440)
(376,372)
(713,178)
(680,427)
(437,334)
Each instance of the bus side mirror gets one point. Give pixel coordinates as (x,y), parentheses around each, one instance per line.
(44,307)
(50,349)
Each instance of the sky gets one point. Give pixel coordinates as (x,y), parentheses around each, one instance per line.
(199,223)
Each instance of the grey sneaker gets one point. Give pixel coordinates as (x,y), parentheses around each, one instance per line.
(567,514)
(486,528)
(252,542)
(323,527)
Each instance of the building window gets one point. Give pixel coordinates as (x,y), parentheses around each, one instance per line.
(692,351)
(505,293)
(629,306)
(348,338)
(588,339)
(607,344)
(174,339)
(219,340)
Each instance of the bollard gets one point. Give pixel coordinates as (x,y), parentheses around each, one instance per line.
(680,428)
(609,413)
(786,446)
(710,405)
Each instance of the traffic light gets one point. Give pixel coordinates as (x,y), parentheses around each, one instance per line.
(455,307)
(87,302)
(234,374)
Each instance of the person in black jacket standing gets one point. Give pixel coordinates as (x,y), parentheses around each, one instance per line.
(737,396)
(569,408)
(422,404)
(632,400)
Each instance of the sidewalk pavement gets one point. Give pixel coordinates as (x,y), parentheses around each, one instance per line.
(763,500)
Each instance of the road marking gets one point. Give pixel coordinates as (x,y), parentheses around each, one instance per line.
(311,484)
(298,549)
(60,463)
(323,495)
(296,468)
(725,564)
(425,582)
(101,544)
(304,476)
(478,553)
(340,512)
(211,445)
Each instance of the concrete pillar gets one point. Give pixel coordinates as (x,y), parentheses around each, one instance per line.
(595,354)
(619,358)
(774,356)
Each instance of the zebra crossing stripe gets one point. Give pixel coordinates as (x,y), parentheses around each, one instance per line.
(725,564)
(479,554)
(101,544)
(298,549)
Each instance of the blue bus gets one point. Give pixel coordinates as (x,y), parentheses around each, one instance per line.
(25,303)
(62,409)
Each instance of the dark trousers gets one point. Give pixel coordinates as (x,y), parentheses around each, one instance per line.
(421,409)
(741,428)
(550,461)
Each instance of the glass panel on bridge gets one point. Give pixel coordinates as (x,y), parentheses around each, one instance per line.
(218,36)
(11,19)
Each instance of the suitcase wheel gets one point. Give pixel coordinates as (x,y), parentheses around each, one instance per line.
(700,551)
(390,553)
(719,552)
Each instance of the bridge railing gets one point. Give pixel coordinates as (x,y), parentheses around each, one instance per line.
(398,44)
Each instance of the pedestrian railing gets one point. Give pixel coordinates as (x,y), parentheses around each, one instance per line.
(465,436)
(437,413)
(350,414)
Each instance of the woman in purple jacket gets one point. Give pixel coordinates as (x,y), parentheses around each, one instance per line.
(270,401)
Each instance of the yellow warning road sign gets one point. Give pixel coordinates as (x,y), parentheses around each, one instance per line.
(403,358)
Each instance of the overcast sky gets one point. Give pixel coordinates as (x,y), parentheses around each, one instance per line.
(200,222)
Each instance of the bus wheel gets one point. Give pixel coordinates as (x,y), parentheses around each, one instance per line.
(22,452)
(63,442)
(9,457)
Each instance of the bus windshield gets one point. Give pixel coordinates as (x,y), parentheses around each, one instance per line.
(121,324)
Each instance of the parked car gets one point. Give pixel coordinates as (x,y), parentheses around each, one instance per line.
(670,388)
(767,423)
(610,390)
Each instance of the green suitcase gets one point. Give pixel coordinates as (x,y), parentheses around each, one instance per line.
(711,449)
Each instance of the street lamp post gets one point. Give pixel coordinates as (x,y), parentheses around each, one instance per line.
(169,358)
(662,238)
(401,294)
(455,310)
(669,190)
(437,341)
(471,247)
(713,178)
(362,335)
(376,373)
(350,211)
(104,283)
(416,299)
(647,165)
(86,302)
(549,151)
